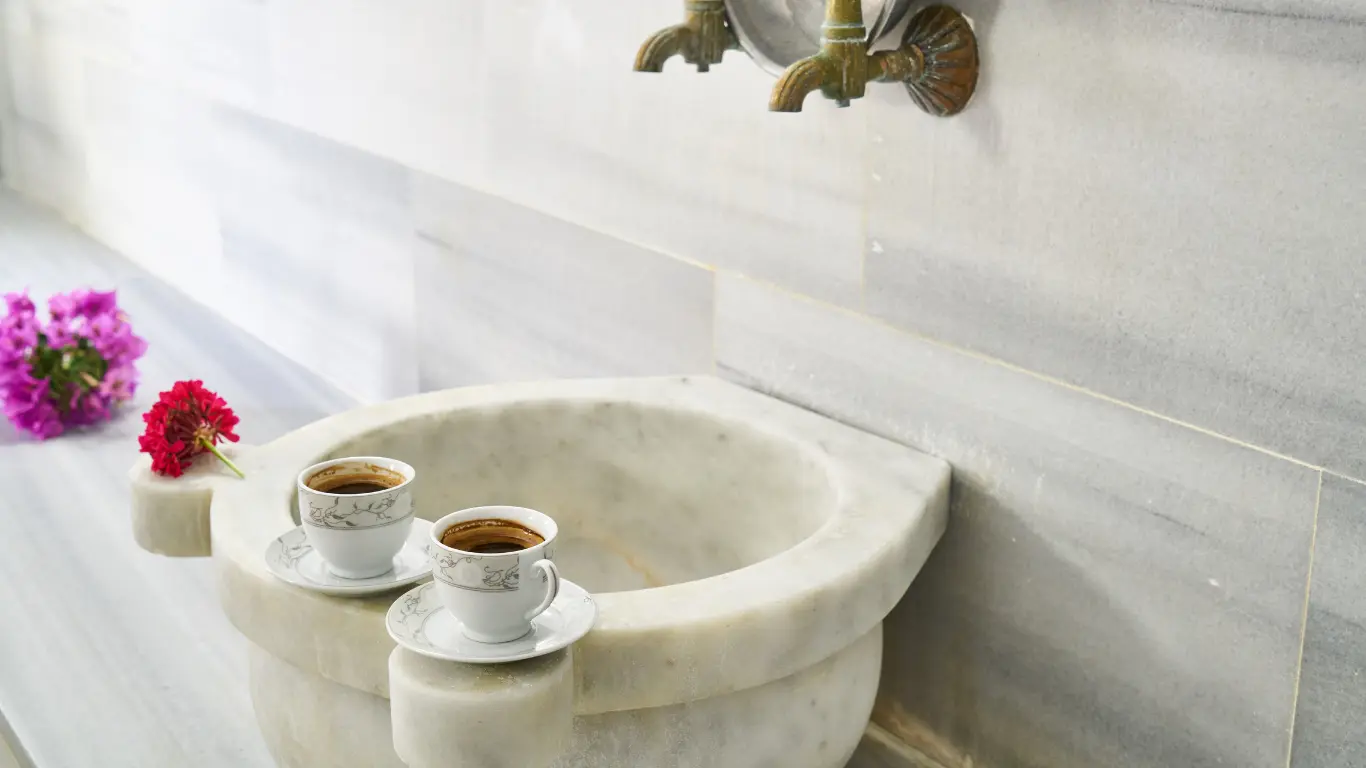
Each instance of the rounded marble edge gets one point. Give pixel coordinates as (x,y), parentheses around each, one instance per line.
(523,710)
(701,638)
(170,515)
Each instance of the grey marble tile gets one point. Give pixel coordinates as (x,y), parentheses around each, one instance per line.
(1335,11)
(1113,589)
(693,165)
(143,197)
(45,166)
(1165,208)
(1332,701)
(338,72)
(221,48)
(506,293)
(8,115)
(317,242)
(46,77)
(129,649)
(41,111)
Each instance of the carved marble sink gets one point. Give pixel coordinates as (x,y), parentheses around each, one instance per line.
(743,553)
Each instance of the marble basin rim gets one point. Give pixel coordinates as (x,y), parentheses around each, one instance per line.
(741,539)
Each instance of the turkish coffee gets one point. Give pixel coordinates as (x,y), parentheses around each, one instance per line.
(490,536)
(351,480)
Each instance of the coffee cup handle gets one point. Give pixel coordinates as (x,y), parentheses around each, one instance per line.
(552,587)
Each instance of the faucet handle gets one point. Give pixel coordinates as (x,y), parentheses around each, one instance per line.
(940,40)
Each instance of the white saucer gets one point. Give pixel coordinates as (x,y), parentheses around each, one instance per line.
(291,558)
(419,622)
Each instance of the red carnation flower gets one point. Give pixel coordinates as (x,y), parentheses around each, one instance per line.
(185,422)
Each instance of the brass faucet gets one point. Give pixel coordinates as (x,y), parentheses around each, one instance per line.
(937,61)
(702,39)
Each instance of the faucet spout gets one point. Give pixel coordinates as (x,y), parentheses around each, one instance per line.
(797,82)
(662,46)
(701,40)
(839,70)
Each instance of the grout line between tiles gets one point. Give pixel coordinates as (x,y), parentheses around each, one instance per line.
(860,312)
(1027,372)
(718,272)
(481,189)
(1304,624)
(1231,8)
(865,206)
(1348,478)
(715,317)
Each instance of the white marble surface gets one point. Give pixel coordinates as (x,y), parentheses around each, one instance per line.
(493,716)
(170,515)
(836,523)
(1106,573)
(310,722)
(1332,693)
(318,235)
(1134,215)
(783,561)
(558,300)
(811,719)
(1178,159)
(164,685)
(111,656)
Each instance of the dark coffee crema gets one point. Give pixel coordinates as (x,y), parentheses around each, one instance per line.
(490,536)
(359,487)
(352,480)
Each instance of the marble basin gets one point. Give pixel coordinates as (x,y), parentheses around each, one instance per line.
(743,553)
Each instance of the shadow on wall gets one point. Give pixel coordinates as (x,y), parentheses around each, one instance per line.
(978,674)
(1110,31)
(981,119)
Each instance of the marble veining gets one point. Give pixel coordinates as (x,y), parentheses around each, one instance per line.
(321,233)
(840,587)
(1332,705)
(1132,168)
(1106,573)
(804,534)
(507,294)
(1334,11)
(152,673)
(1140,252)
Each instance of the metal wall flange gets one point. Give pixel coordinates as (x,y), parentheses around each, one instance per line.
(937,61)
(945,42)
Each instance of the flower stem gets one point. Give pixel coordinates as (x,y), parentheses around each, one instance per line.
(214,450)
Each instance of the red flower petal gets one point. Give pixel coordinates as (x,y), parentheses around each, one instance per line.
(179,424)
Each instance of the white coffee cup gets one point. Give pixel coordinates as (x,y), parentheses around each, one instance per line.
(357,534)
(495,595)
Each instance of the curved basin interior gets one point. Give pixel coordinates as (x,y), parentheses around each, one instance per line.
(777,33)
(644,496)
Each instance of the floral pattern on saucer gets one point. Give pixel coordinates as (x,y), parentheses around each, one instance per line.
(419,622)
(292,559)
